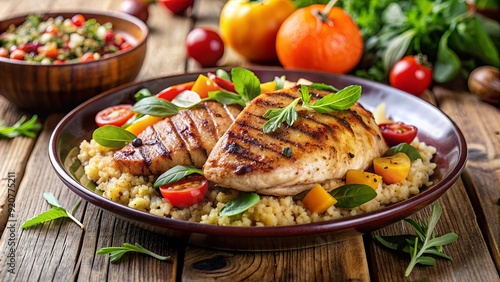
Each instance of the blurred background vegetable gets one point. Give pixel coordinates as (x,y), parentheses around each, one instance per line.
(177,7)
(205,46)
(136,8)
(319,37)
(249,27)
(454,40)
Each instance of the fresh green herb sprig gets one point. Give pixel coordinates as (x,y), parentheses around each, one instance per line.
(341,100)
(20,128)
(116,253)
(425,243)
(57,211)
(175,174)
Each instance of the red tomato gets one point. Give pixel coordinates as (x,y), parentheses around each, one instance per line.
(205,46)
(186,192)
(4,53)
(49,51)
(17,54)
(87,57)
(125,45)
(177,7)
(78,20)
(171,92)
(52,29)
(136,8)
(398,132)
(115,115)
(110,36)
(410,75)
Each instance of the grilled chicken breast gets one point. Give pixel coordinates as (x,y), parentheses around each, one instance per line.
(322,146)
(184,139)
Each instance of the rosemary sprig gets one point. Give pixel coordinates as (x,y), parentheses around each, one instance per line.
(116,253)
(20,128)
(424,243)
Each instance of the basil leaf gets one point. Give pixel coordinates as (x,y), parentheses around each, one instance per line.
(112,136)
(226,98)
(353,195)
(154,106)
(52,200)
(406,148)
(240,204)
(341,100)
(245,83)
(175,174)
(222,74)
(324,87)
(280,82)
(143,93)
(53,213)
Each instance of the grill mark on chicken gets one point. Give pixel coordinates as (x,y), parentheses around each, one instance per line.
(184,139)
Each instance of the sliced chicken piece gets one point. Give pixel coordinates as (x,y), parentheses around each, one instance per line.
(322,146)
(184,139)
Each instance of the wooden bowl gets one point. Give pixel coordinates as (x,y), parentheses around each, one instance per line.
(43,88)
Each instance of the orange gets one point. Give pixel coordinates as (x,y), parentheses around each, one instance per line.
(332,43)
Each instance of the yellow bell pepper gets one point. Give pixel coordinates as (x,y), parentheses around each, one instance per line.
(355,176)
(250,27)
(318,200)
(139,125)
(203,85)
(268,87)
(393,169)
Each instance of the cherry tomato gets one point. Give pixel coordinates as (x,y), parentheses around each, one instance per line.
(398,132)
(205,46)
(411,75)
(125,45)
(17,54)
(171,92)
(30,47)
(114,115)
(78,20)
(178,7)
(4,53)
(87,57)
(136,8)
(49,51)
(221,82)
(110,36)
(186,192)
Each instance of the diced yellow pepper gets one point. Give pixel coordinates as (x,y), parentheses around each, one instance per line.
(268,87)
(355,176)
(139,125)
(393,169)
(318,200)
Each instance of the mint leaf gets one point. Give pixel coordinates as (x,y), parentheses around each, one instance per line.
(246,83)
(53,213)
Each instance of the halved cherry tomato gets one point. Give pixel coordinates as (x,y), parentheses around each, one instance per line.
(78,20)
(171,92)
(393,169)
(203,85)
(4,53)
(87,57)
(142,123)
(17,54)
(186,192)
(221,82)
(114,115)
(398,132)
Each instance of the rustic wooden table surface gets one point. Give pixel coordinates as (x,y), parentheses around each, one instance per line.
(61,251)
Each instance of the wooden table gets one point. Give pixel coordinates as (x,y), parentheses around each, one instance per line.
(61,251)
